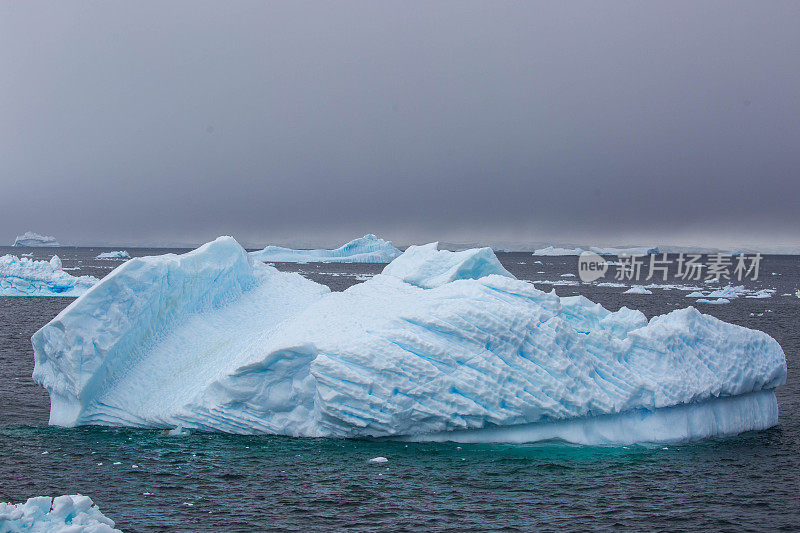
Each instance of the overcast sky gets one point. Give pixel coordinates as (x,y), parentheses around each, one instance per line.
(315,122)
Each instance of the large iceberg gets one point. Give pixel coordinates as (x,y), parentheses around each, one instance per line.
(28,277)
(441,345)
(30,238)
(69,513)
(367,249)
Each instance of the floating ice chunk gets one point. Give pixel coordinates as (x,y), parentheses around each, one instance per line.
(71,513)
(567,275)
(367,249)
(716,301)
(638,289)
(30,238)
(696,294)
(552,251)
(117,254)
(27,277)
(426,266)
(213,341)
(727,292)
(763,293)
(378,460)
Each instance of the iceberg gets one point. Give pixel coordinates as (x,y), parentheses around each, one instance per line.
(439,346)
(30,238)
(367,249)
(27,277)
(63,513)
(638,250)
(117,254)
(557,252)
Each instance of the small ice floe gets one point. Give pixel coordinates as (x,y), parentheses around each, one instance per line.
(117,463)
(611,284)
(638,289)
(763,293)
(717,301)
(797,293)
(728,292)
(134,466)
(567,275)
(378,460)
(45,453)
(695,294)
(177,432)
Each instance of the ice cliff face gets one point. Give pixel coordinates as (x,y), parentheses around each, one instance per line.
(442,345)
(367,249)
(30,238)
(26,277)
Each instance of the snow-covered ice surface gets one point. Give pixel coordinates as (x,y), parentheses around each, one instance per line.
(30,238)
(367,249)
(441,345)
(65,514)
(117,254)
(27,277)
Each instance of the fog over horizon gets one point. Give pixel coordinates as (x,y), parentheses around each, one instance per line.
(310,123)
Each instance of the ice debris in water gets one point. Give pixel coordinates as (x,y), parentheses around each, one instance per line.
(367,249)
(716,301)
(30,238)
(117,254)
(27,277)
(378,460)
(72,513)
(440,346)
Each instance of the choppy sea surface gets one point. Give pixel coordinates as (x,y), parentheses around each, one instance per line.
(148,481)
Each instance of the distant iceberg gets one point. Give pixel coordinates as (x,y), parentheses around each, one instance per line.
(552,251)
(27,277)
(555,251)
(638,250)
(30,238)
(73,513)
(440,346)
(118,254)
(367,249)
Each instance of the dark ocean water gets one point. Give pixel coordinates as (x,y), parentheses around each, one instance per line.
(215,482)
